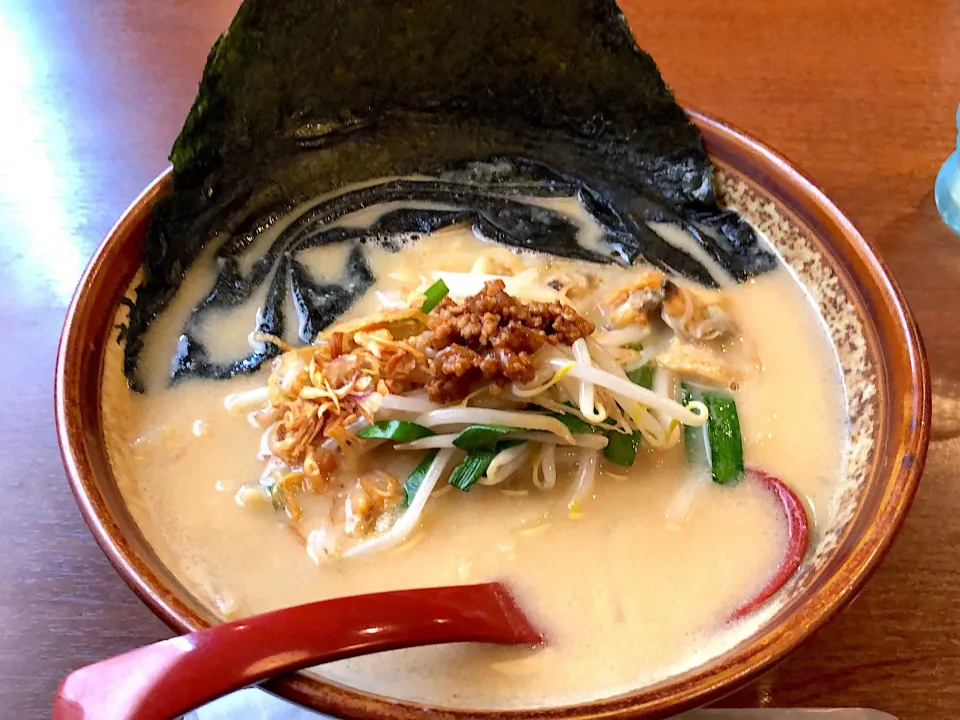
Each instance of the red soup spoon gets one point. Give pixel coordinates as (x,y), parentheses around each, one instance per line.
(798,538)
(169,678)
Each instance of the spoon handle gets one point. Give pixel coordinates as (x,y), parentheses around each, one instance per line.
(166,679)
(798,536)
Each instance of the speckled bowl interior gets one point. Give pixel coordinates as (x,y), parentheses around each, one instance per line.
(887,393)
(860,361)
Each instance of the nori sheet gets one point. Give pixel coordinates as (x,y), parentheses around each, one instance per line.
(493,99)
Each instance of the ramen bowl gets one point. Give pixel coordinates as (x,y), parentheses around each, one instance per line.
(886,383)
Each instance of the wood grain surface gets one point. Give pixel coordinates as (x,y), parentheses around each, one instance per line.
(860,94)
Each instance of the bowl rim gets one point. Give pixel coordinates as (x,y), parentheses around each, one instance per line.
(688,690)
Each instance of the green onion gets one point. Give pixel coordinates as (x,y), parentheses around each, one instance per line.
(718,444)
(481,437)
(694,438)
(475,464)
(434,294)
(636,347)
(643,375)
(398,430)
(472,468)
(575,424)
(412,483)
(622,448)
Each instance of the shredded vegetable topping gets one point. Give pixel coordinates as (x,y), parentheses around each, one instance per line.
(484,388)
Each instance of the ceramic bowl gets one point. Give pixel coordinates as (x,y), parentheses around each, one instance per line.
(884,371)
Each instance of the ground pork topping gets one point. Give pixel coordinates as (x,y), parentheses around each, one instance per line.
(490,338)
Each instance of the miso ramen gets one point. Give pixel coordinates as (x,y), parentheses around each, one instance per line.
(588,433)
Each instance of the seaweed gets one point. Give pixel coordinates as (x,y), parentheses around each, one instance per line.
(494,103)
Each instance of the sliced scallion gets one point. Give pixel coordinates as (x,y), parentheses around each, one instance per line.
(643,376)
(718,444)
(397,430)
(474,465)
(575,424)
(412,483)
(481,437)
(471,468)
(434,294)
(694,438)
(622,448)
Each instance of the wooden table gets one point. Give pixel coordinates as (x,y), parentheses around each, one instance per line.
(861,94)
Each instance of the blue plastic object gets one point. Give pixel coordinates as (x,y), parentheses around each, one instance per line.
(947,189)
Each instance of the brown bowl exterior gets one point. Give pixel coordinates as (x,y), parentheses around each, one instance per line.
(899,444)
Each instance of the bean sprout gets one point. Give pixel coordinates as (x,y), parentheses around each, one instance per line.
(596,442)
(587,405)
(665,384)
(538,386)
(694,414)
(586,475)
(247,400)
(506,463)
(486,416)
(548,465)
(408,403)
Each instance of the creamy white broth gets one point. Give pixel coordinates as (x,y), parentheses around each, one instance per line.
(636,586)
